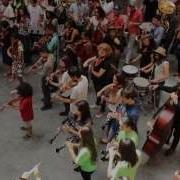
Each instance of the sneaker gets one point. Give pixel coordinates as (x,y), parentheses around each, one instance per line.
(45,108)
(24,128)
(27,136)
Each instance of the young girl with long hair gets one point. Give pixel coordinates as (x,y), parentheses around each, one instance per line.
(87,154)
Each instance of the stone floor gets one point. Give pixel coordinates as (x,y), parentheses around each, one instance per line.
(17,155)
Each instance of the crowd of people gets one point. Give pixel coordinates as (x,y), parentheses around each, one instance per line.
(119,47)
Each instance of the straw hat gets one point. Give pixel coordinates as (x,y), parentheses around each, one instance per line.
(161,51)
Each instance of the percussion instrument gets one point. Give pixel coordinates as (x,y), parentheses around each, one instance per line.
(161,129)
(141,83)
(166,7)
(130,71)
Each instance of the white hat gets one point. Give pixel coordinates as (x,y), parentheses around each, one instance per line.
(161,51)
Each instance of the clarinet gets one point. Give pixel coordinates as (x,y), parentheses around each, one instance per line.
(55,136)
(73,139)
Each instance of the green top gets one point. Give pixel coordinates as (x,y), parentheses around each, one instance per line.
(124,169)
(83,159)
(132,135)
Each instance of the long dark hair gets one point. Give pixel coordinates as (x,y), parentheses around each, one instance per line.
(131,124)
(87,140)
(24,89)
(83,107)
(127,151)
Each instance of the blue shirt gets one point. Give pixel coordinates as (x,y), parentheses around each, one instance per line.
(133,112)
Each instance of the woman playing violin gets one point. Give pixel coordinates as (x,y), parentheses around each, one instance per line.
(100,68)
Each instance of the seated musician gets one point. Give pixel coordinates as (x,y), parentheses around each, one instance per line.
(146,48)
(160,69)
(125,162)
(128,108)
(111,94)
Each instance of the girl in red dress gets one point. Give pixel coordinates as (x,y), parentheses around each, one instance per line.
(23,103)
(25,92)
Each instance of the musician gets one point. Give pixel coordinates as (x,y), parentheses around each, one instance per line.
(127,161)
(176,48)
(87,153)
(53,43)
(57,80)
(128,108)
(100,68)
(158,30)
(46,61)
(175,97)
(78,86)
(160,70)
(111,94)
(147,46)
(16,52)
(24,99)
(82,118)
(127,131)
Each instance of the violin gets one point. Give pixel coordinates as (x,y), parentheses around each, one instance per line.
(161,129)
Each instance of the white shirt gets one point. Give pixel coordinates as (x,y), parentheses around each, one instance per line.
(79,92)
(35,13)
(64,79)
(108,7)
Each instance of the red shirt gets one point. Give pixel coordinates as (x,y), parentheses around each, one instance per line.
(26,109)
(116,21)
(135,17)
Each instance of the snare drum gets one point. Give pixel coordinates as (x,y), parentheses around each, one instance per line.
(141,83)
(130,71)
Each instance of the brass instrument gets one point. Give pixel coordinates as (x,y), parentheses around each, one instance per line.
(166,7)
